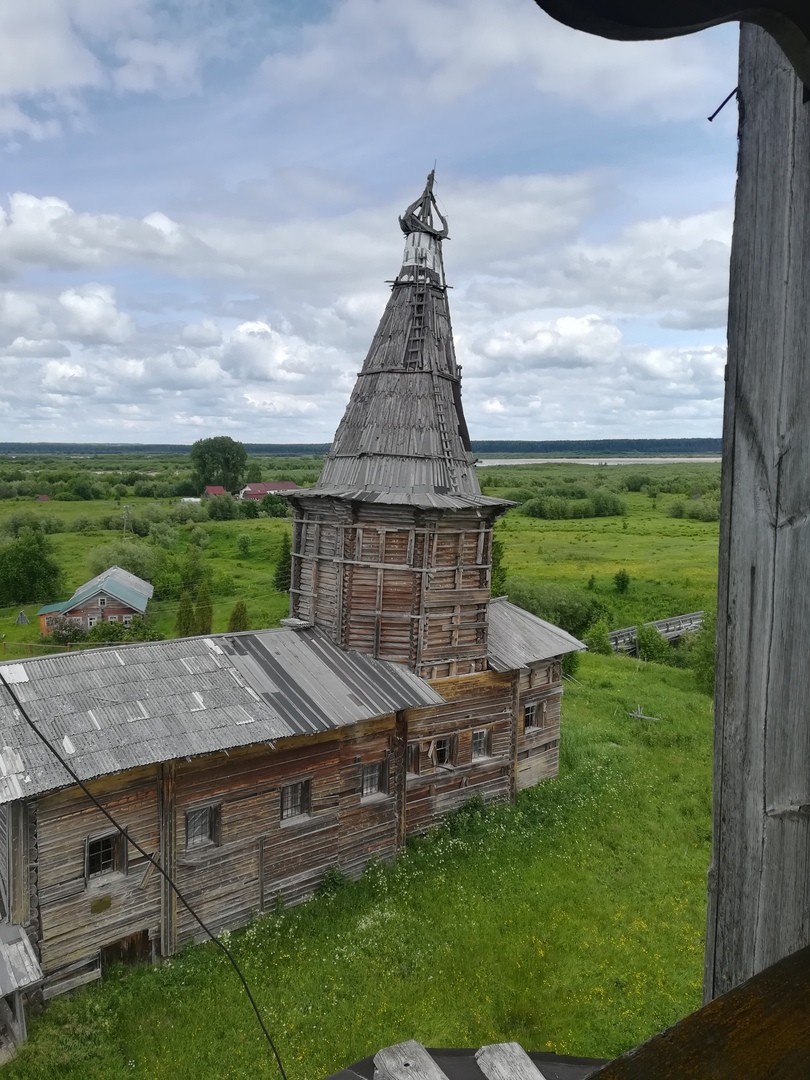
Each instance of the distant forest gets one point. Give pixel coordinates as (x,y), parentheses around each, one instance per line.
(562,447)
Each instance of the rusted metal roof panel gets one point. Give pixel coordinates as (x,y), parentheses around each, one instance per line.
(517,638)
(119,708)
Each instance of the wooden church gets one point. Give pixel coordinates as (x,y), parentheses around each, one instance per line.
(251,763)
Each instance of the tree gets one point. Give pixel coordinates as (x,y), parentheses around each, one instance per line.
(621,579)
(498,579)
(204,610)
(283,579)
(243,545)
(652,646)
(239,617)
(222,508)
(142,560)
(254,473)
(273,506)
(184,627)
(219,460)
(28,570)
(598,638)
(248,508)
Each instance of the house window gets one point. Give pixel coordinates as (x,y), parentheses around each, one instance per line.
(203,826)
(126,620)
(529,716)
(373,778)
(482,744)
(112,618)
(443,753)
(102,601)
(295,800)
(412,764)
(105,855)
(91,621)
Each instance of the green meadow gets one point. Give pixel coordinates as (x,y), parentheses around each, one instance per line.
(572,921)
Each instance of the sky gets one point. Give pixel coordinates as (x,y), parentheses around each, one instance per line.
(199,215)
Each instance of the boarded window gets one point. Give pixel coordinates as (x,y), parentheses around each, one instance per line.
(203,826)
(295,800)
(104,855)
(412,765)
(482,744)
(373,778)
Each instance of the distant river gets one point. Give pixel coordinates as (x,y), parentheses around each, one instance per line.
(595,461)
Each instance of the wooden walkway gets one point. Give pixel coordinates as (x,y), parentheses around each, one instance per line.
(624,641)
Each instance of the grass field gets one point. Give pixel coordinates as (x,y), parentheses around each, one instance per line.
(572,922)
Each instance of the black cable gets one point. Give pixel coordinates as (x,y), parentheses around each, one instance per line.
(725,102)
(155,862)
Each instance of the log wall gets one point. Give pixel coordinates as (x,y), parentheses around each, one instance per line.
(396,583)
(538,754)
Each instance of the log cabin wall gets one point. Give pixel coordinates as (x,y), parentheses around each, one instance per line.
(460,749)
(83,912)
(538,723)
(395,582)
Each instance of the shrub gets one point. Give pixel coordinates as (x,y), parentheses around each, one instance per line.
(652,646)
(163,535)
(621,579)
(142,560)
(701,653)
(223,508)
(570,663)
(273,506)
(248,508)
(606,504)
(243,545)
(677,509)
(28,570)
(598,638)
(238,619)
(282,578)
(200,538)
(563,605)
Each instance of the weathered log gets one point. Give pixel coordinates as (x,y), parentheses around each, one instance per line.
(758,883)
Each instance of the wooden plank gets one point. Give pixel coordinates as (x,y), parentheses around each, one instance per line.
(507,1061)
(758,1031)
(759,880)
(406,1061)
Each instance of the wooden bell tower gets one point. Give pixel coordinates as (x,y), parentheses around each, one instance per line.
(392,548)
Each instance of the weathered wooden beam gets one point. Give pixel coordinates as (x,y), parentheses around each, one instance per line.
(759,882)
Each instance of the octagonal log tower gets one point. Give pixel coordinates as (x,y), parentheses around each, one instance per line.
(392,548)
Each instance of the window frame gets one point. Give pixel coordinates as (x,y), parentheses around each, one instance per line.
(487,740)
(530,709)
(300,809)
(92,620)
(449,752)
(102,601)
(413,756)
(374,769)
(118,855)
(211,833)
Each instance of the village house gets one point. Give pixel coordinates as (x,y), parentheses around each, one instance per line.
(113,596)
(212,490)
(256,492)
(249,764)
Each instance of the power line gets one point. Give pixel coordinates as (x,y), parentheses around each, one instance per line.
(155,862)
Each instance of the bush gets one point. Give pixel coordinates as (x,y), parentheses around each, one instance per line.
(677,509)
(274,506)
(700,653)
(238,619)
(248,508)
(28,570)
(606,504)
(200,538)
(570,663)
(163,535)
(243,545)
(142,560)
(652,646)
(222,508)
(562,605)
(598,638)
(621,580)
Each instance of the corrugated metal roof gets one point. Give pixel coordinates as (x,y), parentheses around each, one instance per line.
(19,967)
(120,707)
(517,638)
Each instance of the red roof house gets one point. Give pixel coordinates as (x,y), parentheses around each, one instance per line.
(257,492)
(214,489)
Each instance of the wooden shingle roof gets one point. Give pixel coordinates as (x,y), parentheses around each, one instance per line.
(404,431)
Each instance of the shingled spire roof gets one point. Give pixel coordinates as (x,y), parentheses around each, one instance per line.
(403,437)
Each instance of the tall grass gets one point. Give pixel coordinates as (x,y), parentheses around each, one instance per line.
(572,921)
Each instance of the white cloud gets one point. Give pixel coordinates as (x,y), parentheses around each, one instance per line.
(435,51)
(22,347)
(92,315)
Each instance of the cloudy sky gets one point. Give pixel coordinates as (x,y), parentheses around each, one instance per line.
(199,212)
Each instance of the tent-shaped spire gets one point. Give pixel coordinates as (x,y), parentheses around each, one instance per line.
(404,433)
